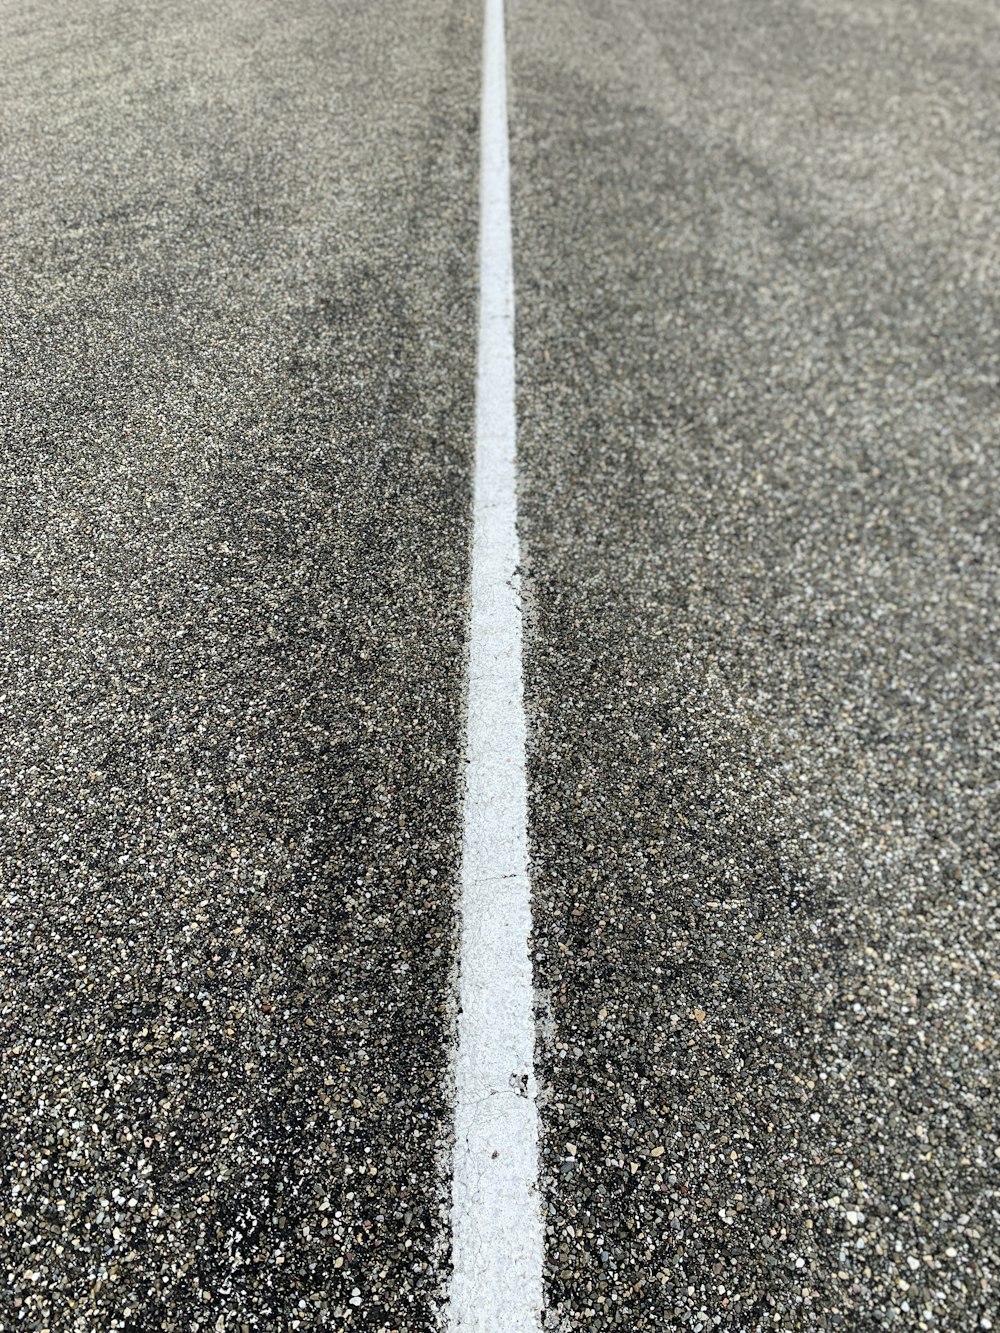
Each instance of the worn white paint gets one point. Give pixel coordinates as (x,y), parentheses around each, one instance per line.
(497,1244)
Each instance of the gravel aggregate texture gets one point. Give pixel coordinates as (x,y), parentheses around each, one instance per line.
(757,266)
(237,253)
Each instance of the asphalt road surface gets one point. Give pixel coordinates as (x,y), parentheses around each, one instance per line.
(239,251)
(757,266)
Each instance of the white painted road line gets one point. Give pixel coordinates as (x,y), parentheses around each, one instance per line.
(497,1245)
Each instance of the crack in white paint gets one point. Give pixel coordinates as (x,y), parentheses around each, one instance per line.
(497,1241)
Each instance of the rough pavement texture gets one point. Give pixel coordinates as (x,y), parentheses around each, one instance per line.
(757,268)
(237,247)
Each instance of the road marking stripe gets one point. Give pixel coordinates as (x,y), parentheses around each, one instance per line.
(497,1245)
